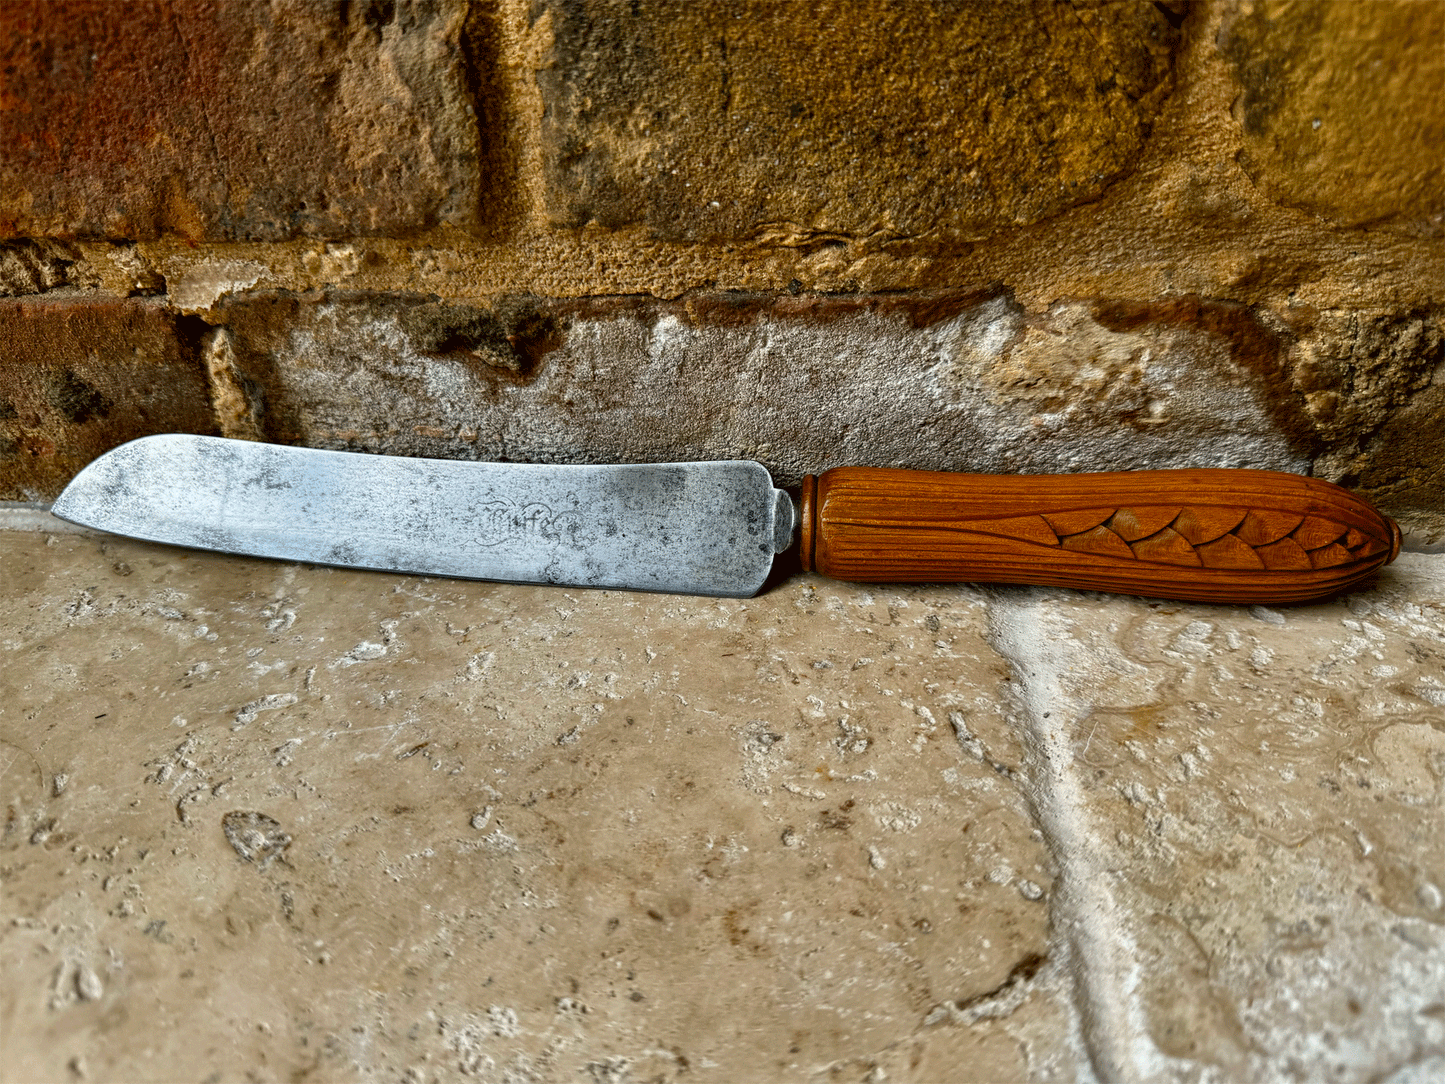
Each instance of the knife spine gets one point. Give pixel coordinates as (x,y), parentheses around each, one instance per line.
(1207,535)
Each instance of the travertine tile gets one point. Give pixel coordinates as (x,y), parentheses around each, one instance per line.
(1247,809)
(275,820)
(278,820)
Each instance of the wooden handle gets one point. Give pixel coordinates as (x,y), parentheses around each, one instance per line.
(1204,535)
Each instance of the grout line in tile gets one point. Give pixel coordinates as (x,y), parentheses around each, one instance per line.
(1039,647)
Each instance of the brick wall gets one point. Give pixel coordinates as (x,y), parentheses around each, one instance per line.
(1003,237)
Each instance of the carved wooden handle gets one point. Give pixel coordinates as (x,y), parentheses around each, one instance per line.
(1203,535)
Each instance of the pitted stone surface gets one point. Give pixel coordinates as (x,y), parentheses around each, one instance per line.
(1374,386)
(33,267)
(287,820)
(274,820)
(1245,805)
(807,124)
(952,380)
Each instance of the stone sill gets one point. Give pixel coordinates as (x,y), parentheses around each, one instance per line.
(276,819)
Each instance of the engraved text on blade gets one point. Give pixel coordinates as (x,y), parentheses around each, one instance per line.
(503,520)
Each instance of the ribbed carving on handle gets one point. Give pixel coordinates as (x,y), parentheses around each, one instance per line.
(1204,535)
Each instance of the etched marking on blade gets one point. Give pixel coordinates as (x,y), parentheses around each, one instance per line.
(503,521)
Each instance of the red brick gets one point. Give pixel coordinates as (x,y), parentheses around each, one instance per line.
(233,121)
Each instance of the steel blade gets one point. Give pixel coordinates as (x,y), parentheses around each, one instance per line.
(690,528)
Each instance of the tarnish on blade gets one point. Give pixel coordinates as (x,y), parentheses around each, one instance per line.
(688,528)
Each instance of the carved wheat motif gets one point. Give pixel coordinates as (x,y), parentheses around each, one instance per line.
(1216,535)
(1195,536)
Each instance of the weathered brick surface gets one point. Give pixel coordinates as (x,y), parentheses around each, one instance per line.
(962,382)
(230,121)
(30,267)
(943,380)
(946,381)
(749,118)
(1402,464)
(1340,106)
(1373,385)
(80,377)
(1356,368)
(1007,169)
